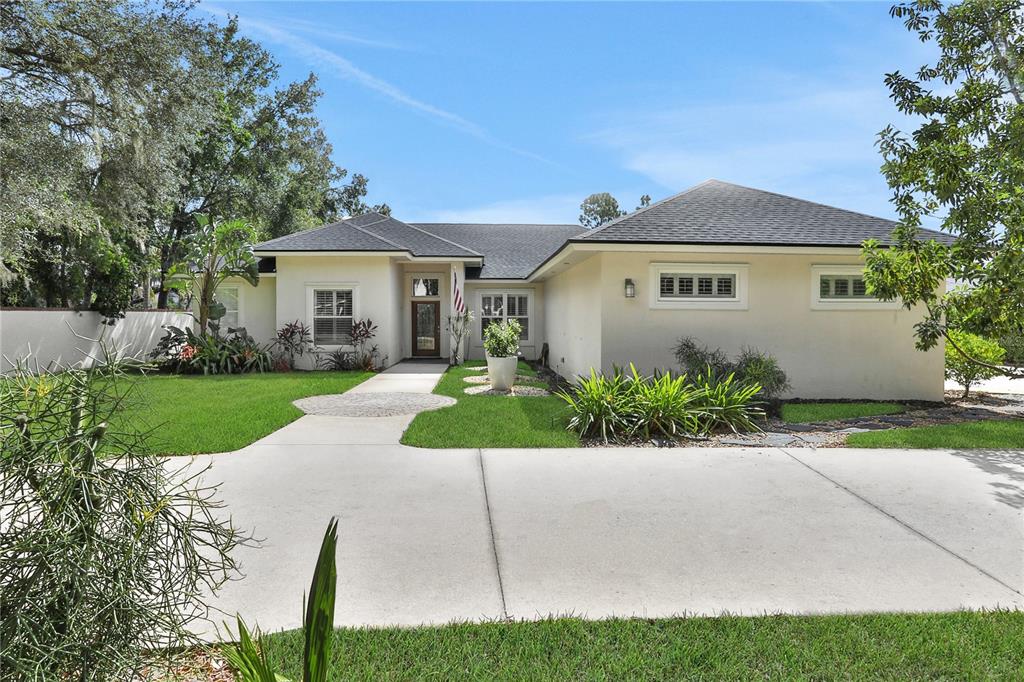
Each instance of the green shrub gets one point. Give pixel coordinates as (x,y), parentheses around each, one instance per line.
(1014,347)
(599,406)
(622,405)
(756,367)
(695,358)
(751,366)
(105,554)
(662,404)
(728,404)
(501,339)
(965,371)
(183,350)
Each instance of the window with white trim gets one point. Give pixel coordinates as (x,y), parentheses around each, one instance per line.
(228,296)
(332,317)
(505,306)
(842,287)
(677,285)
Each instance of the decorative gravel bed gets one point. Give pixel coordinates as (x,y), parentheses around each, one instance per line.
(516,392)
(484,379)
(832,434)
(373,404)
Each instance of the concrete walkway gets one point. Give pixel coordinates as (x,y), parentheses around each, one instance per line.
(431,536)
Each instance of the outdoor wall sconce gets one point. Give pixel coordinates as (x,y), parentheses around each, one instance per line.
(630,289)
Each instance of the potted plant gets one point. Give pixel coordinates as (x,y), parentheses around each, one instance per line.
(501,344)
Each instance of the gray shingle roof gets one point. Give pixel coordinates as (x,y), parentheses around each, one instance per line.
(511,251)
(369,232)
(716,212)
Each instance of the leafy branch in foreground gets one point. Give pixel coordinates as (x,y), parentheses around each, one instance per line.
(106,555)
(962,165)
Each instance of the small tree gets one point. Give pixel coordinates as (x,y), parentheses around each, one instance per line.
(214,253)
(963,166)
(598,209)
(459,326)
(960,359)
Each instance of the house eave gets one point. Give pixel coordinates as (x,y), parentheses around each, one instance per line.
(405,255)
(582,245)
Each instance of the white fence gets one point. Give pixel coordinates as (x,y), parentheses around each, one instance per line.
(65,337)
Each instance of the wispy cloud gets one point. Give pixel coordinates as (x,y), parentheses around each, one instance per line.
(809,142)
(320,57)
(314,29)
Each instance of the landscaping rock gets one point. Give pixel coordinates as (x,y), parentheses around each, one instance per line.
(372,404)
(802,428)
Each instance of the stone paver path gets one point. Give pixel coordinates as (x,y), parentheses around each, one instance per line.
(372,404)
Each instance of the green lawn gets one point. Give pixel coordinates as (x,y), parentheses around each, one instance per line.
(823,412)
(952,646)
(192,414)
(490,421)
(1006,434)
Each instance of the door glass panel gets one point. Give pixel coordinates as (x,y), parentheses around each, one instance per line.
(426,327)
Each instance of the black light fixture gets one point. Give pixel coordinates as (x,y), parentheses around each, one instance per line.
(630,289)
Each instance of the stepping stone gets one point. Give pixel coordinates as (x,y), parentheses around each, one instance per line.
(896,421)
(801,428)
(372,404)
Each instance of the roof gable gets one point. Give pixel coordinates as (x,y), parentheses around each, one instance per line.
(369,232)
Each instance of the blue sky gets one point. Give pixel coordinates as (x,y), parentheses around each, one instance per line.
(516,112)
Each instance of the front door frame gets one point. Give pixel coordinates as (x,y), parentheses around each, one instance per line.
(436,353)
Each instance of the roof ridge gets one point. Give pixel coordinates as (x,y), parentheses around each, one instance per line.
(437,236)
(618,220)
(496,224)
(806,201)
(312,229)
(377,236)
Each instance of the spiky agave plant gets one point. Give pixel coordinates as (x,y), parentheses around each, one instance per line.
(249,655)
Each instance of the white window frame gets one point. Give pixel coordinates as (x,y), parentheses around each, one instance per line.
(738,301)
(238,300)
(531,315)
(425,275)
(311,288)
(819,303)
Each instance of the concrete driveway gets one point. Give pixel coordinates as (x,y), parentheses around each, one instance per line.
(431,536)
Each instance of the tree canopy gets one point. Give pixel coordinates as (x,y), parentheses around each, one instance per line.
(963,166)
(124,120)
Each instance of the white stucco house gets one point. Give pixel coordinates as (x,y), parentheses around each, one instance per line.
(728,265)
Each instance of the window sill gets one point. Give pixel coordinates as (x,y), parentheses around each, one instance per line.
(698,304)
(855,304)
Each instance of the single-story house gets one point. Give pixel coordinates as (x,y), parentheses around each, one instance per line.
(728,265)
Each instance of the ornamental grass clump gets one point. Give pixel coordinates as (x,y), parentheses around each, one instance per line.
(106,556)
(629,405)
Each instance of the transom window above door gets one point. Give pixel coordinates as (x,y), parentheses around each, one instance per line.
(332,317)
(426,286)
(497,307)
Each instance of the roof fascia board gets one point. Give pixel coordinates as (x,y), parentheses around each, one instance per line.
(330,253)
(821,249)
(652,247)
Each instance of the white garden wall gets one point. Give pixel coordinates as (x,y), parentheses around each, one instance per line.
(50,335)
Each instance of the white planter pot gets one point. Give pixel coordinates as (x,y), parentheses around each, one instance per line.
(502,372)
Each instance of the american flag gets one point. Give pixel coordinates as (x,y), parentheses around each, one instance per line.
(457,303)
